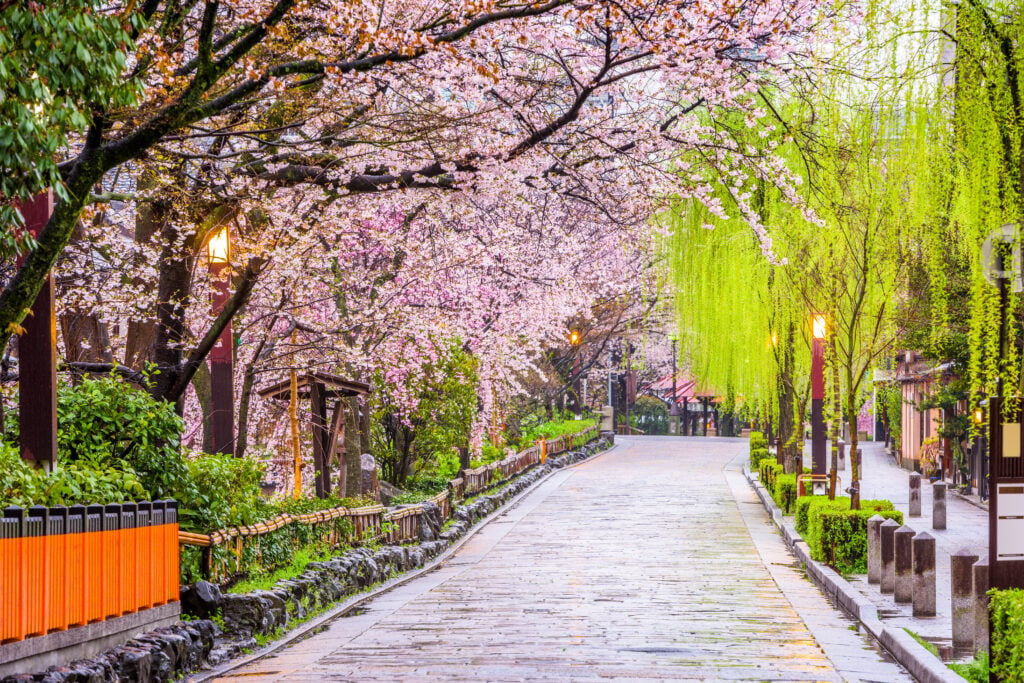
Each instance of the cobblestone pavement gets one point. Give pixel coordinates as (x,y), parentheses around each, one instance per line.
(651,562)
(966,527)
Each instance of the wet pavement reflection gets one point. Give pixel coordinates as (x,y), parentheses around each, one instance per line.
(651,562)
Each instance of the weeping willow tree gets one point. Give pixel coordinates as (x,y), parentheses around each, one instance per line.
(981,183)
(737,325)
(847,243)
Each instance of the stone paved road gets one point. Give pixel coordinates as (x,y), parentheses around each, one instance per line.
(651,562)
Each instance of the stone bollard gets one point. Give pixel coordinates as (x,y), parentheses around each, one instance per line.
(915,494)
(904,564)
(980,591)
(887,532)
(962,591)
(924,575)
(842,455)
(939,505)
(875,549)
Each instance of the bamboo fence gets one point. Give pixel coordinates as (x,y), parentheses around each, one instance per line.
(375,522)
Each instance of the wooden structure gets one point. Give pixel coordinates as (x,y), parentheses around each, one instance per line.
(37,355)
(65,567)
(321,388)
(375,522)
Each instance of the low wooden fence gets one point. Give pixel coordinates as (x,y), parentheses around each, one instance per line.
(62,567)
(372,523)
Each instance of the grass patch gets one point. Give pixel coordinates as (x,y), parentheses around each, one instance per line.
(931,647)
(975,671)
(297,565)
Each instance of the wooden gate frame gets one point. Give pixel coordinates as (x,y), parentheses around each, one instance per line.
(320,388)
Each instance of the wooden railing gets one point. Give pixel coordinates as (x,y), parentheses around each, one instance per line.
(397,525)
(62,567)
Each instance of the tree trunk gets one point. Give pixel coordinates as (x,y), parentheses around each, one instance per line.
(837,418)
(201,383)
(788,443)
(141,334)
(173,299)
(854,454)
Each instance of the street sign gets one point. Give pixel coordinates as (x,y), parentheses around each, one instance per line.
(1010,523)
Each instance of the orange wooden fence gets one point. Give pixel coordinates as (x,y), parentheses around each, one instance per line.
(62,567)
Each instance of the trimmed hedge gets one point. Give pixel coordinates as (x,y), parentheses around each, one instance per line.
(1007,610)
(758,450)
(785,492)
(768,471)
(757,456)
(837,535)
(804,503)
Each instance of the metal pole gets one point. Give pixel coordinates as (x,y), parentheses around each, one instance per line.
(818,457)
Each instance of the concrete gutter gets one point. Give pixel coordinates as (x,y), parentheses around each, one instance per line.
(922,664)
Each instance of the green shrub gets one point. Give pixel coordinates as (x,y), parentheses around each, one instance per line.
(108,424)
(1007,651)
(785,492)
(757,440)
(555,429)
(757,456)
(837,535)
(73,483)
(804,504)
(220,491)
(975,670)
(768,470)
(224,491)
(650,414)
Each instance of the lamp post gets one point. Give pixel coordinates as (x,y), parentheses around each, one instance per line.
(575,337)
(673,411)
(819,330)
(1003,265)
(222,399)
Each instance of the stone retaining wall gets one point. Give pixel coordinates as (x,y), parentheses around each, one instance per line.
(166,653)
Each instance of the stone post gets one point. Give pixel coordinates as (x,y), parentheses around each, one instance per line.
(939,505)
(875,549)
(924,575)
(962,591)
(980,591)
(842,455)
(904,564)
(915,494)
(887,531)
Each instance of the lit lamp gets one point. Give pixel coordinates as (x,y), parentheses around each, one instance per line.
(218,247)
(978,415)
(819,330)
(222,398)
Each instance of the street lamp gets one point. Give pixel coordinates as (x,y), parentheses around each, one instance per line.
(673,412)
(222,399)
(575,337)
(218,247)
(819,330)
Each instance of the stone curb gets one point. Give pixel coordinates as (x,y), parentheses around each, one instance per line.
(966,499)
(355,601)
(922,664)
